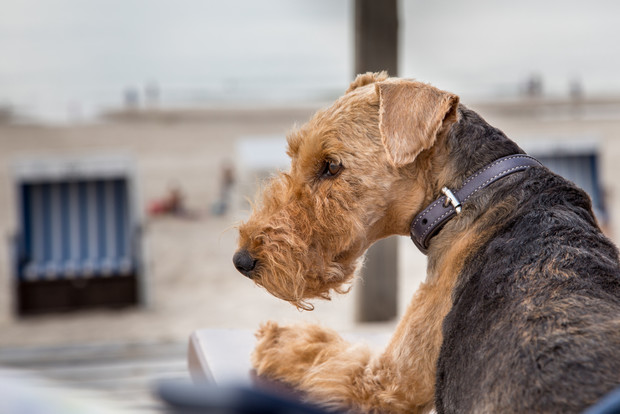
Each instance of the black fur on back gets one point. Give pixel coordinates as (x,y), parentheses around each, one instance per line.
(535,323)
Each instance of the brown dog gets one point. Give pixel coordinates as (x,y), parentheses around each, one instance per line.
(520,311)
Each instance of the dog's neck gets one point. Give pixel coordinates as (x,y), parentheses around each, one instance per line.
(469,146)
(431,220)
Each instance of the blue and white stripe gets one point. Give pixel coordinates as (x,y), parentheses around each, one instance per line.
(75,229)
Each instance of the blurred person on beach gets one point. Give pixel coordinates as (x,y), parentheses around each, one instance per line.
(172,203)
(227,180)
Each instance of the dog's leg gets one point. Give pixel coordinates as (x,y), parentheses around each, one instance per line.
(341,375)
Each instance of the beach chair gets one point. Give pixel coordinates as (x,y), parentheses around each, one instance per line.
(78,243)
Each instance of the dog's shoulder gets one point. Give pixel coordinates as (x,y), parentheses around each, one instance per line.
(533,299)
(550,218)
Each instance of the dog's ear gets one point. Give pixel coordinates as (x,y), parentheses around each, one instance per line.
(366,79)
(411,115)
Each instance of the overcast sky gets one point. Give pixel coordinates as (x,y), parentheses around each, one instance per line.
(60,53)
(485,46)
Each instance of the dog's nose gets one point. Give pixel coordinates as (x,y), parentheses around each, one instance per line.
(244,262)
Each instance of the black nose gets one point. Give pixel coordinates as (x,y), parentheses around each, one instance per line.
(244,262)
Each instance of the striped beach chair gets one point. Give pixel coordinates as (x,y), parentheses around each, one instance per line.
(79,243)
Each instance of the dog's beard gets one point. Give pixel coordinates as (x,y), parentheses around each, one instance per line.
(299,286)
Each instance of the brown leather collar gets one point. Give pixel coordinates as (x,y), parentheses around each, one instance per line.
(430,221)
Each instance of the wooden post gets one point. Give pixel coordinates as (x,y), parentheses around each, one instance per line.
(376,49)
(376,36)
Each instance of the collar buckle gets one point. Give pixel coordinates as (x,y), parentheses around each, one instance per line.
(450,197)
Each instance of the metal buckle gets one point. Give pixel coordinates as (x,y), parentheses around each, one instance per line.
(452,199)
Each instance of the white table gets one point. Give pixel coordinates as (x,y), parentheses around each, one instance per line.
(222,356)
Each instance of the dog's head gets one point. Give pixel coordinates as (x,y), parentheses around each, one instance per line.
(358,173)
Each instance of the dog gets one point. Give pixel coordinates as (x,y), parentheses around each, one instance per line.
(520,309)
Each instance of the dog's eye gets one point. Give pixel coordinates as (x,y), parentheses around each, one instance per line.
(332,168)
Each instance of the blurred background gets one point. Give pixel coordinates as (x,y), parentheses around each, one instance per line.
(131,133)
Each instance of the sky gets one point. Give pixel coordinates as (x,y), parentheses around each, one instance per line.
(62,56)
(485,47)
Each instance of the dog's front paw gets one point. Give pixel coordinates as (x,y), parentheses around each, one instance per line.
(286,353)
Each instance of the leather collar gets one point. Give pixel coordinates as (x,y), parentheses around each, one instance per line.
(430,221)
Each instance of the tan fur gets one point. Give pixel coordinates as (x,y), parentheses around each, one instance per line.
(404,133)
(366,79)
(308,233)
